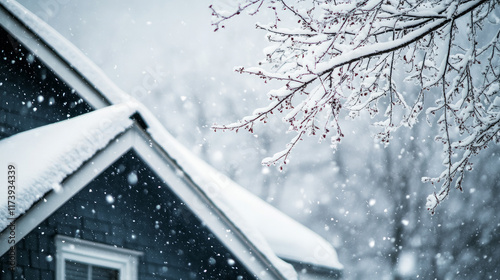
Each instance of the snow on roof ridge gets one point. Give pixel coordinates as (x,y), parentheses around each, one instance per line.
(57,157)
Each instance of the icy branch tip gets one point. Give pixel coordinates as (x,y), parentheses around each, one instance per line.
(432,202)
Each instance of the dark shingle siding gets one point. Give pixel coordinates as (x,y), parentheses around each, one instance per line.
(179,247)
(22,82)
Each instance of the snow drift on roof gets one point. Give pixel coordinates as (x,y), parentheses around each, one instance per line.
(46,155)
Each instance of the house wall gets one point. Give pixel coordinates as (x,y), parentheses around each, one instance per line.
(31,95)
(129,207)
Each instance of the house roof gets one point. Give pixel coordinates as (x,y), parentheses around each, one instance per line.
(87,134)
(60,55)
(51,158)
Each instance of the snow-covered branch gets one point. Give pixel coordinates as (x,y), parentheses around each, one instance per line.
(343,58)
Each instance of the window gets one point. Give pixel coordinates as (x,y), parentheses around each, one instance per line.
(84,260)
(81,271)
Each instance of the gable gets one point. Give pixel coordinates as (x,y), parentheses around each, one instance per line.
(31,94)
(243,240)
(58,54)
(129,206)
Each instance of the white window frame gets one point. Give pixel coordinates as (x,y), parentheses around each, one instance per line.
(96,254)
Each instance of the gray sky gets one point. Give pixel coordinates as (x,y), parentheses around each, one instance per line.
(126,37)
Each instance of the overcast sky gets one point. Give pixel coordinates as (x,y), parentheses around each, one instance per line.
(126,37)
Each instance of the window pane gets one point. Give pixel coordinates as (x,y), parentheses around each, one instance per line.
(103,273)
(76,271)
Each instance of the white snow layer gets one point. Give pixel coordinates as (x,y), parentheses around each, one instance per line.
(46,155)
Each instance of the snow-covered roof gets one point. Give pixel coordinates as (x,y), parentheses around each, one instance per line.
(44,157)
(71,55)
(52,158)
